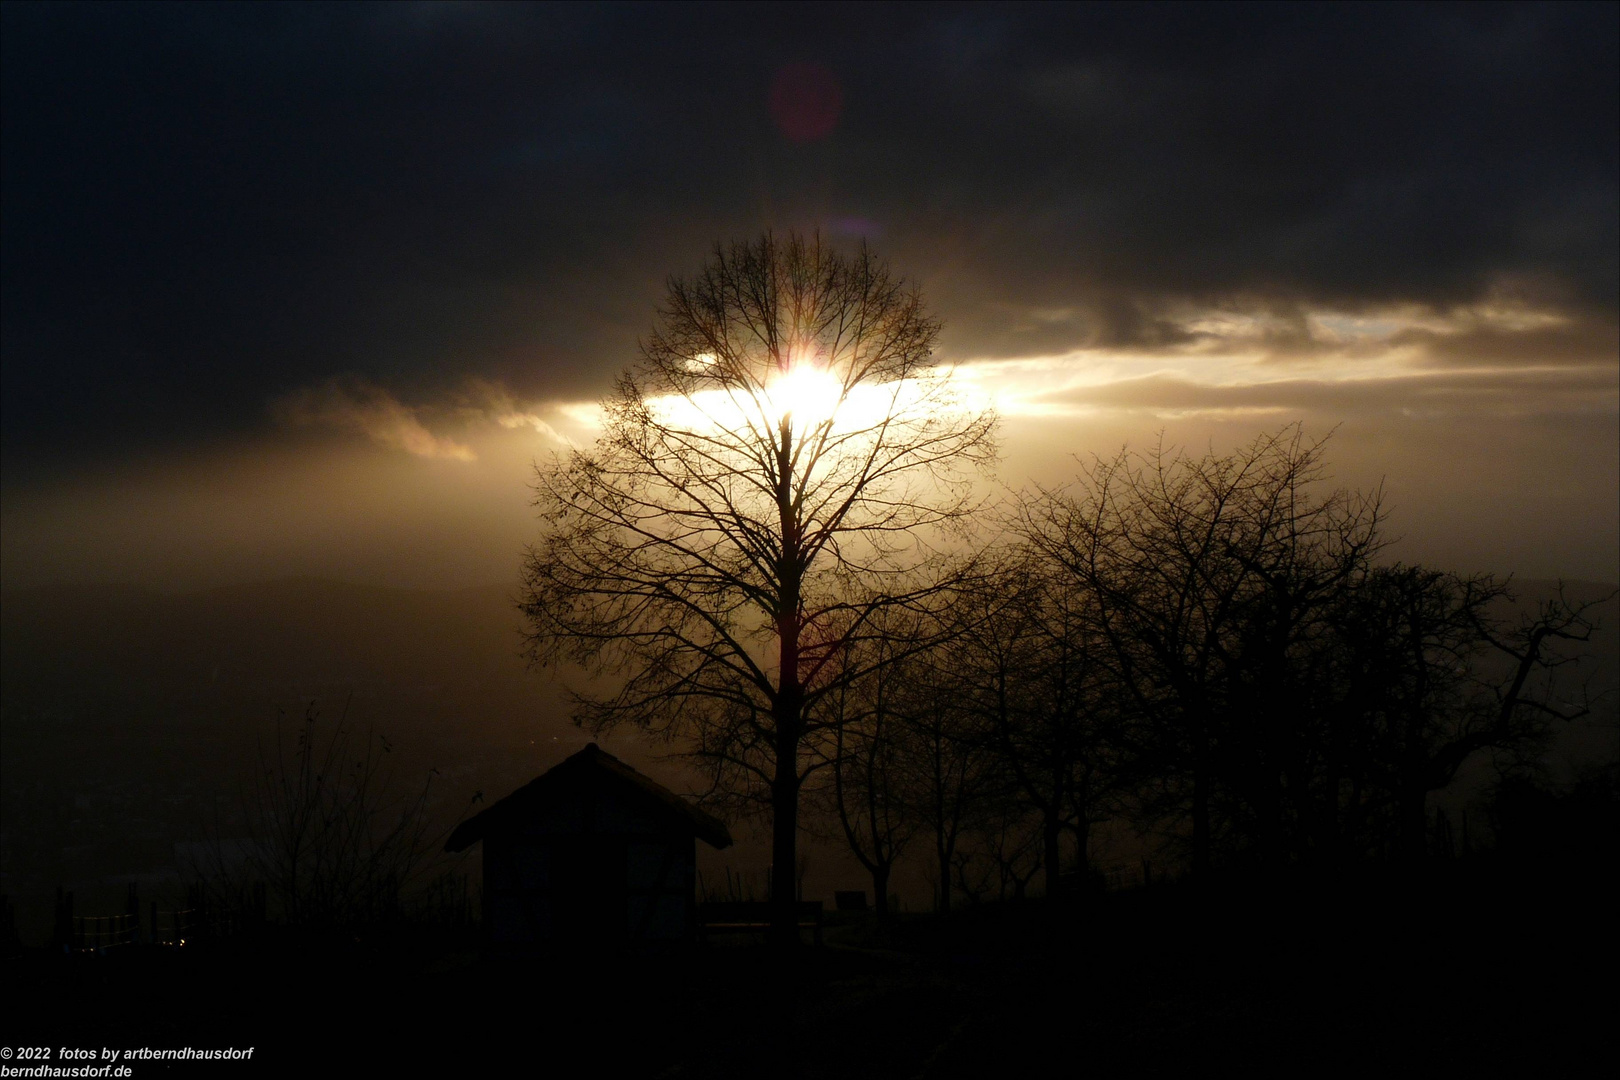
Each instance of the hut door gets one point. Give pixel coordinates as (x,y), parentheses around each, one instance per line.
(589,890)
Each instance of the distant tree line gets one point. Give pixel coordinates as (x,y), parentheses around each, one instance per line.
(1206,648)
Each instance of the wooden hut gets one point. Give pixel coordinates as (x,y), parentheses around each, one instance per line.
(590,853)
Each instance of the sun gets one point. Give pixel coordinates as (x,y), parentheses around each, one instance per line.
(806,395)
(809,396)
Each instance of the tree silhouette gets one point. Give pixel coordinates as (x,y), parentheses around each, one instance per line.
(1438,669)
(337,844)
(1288,698)
(1030,676)
(780,465)
(1204,574)
(953,771)
(872,770)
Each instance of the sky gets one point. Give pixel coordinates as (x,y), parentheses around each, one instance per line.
(307,289)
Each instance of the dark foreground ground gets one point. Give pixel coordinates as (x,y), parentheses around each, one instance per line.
(1485,970)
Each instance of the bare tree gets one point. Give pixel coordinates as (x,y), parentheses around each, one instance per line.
(1030,674)
(1204,573)
(872,768)
(1004,848)
(1439,669)
(336,842)
(1291,697)
(781,464)
(954,771)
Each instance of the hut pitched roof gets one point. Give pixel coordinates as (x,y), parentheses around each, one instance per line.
(592,764)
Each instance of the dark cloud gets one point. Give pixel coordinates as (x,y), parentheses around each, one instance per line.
(1588,344)
(207,207)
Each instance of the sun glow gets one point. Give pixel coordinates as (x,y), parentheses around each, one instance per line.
(811,398)
(805,396)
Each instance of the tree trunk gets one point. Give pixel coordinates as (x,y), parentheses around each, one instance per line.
(784,931)
(788,710)
(1201,816)
(880,889)
(1050,850)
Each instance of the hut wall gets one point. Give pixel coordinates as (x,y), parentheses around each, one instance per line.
(594,870)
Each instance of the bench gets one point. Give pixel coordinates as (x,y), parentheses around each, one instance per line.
(753,916)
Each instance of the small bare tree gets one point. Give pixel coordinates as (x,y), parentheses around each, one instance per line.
(1030,675)
(334,838)
(873,766)
(782,463)
(954,770)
